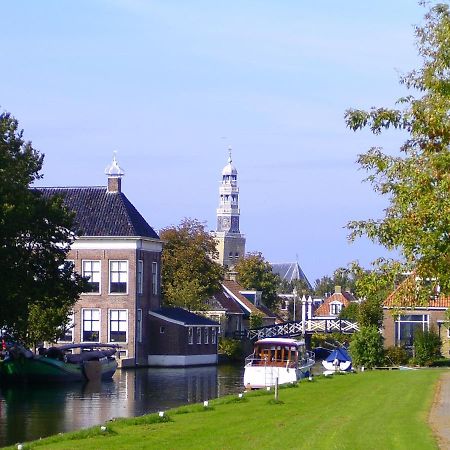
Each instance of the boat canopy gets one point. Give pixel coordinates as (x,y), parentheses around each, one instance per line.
(340,354)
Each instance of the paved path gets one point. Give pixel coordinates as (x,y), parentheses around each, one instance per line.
(440,412)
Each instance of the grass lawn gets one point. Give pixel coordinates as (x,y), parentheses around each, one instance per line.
(370,410)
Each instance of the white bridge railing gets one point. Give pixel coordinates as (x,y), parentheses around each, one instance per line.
(306,327)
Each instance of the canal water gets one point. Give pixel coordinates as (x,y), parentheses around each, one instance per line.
(28,413)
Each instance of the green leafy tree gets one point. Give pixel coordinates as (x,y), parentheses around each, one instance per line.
(427,347)
(256,320)
(38,289)
(189,274)
(254,272)
(342,276)
(350,312)
(301,286)
(416,182)
(366,347)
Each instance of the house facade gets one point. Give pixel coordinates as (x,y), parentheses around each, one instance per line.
(334,304)
(119,253)
(181,338)
(404,315)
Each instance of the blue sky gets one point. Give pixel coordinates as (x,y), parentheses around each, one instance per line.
(170,85)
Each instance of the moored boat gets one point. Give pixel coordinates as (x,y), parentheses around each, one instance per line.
(66,363)
(338,361)
(282,360)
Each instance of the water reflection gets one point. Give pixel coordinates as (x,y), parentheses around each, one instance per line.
(28,413)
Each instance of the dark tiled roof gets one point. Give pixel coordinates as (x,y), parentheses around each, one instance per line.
(290,272)
(182,315)
(102,213)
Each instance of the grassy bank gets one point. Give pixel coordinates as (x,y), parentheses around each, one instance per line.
(371,410)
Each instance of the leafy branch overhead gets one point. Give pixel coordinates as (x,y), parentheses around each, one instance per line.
(417,181)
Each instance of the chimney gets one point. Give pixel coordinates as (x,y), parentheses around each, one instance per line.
(337,290)
(115,174)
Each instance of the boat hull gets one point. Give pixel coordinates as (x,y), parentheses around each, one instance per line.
(47,370)
(257,377)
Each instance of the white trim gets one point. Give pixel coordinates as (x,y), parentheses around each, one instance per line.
(119,243)
(229,292)
(109,276)
(100,273)
(109,326)
(181,360)
(99,321)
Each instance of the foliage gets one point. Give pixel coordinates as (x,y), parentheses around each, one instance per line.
(417,181)
(396,355)
(189,274)
(351,312)
(301,286)
(342,276)
(232,348)
(427,347)
(38,288)
(366,347)
(256,320)
(330,340)
(254,272)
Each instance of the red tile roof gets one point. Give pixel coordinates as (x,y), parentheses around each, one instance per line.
(345,298)
(403,297)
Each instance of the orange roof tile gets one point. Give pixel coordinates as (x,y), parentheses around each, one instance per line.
(324,309)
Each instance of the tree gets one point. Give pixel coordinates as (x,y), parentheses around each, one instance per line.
(366,347)
(342,276)
(254,272)
(189,274)
(351,312)
(417,181)
(427,347)
(38,288)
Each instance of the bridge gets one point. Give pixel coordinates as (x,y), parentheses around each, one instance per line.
(310,326)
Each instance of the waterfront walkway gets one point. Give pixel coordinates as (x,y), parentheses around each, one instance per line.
(440,412)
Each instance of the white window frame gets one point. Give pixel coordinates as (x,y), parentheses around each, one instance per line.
(140,276)
(83,272)
(83,310)
(206,335)
(213,335)
(139,325)
(199,335)
(155,278)
(111,262)
(190,335)
(425,322)
(119,320)
(335,308)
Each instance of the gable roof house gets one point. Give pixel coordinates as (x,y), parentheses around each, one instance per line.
(404,314)
(333,305)
(120,255)
(249,301)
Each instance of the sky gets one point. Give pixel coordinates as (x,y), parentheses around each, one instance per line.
(170,85)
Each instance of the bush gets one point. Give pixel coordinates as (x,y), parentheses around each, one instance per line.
(231,348)
(396,356)
(366,347)
(256,320)
(427,347)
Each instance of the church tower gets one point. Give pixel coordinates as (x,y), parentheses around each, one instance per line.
(230,241)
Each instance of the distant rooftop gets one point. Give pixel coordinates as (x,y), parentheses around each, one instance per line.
(290,272)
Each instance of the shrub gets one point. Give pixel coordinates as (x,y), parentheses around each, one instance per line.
(427,347)
(366,347)
(231,348)
(396,356)
(256,320)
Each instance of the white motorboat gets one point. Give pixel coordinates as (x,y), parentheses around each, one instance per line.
(282,359)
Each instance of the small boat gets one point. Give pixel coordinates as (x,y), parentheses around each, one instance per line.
(65,363)
(277,360)
(338,361)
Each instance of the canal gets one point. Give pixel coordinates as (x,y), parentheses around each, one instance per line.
(28,413)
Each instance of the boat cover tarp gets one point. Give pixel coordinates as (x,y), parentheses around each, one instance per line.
(340,354)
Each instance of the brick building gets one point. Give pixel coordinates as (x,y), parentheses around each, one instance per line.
(120,255)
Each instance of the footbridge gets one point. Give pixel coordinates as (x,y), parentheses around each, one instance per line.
(304,327)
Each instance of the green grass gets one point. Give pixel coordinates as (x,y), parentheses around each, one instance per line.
(370,410)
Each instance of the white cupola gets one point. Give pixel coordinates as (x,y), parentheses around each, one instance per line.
(115,174)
